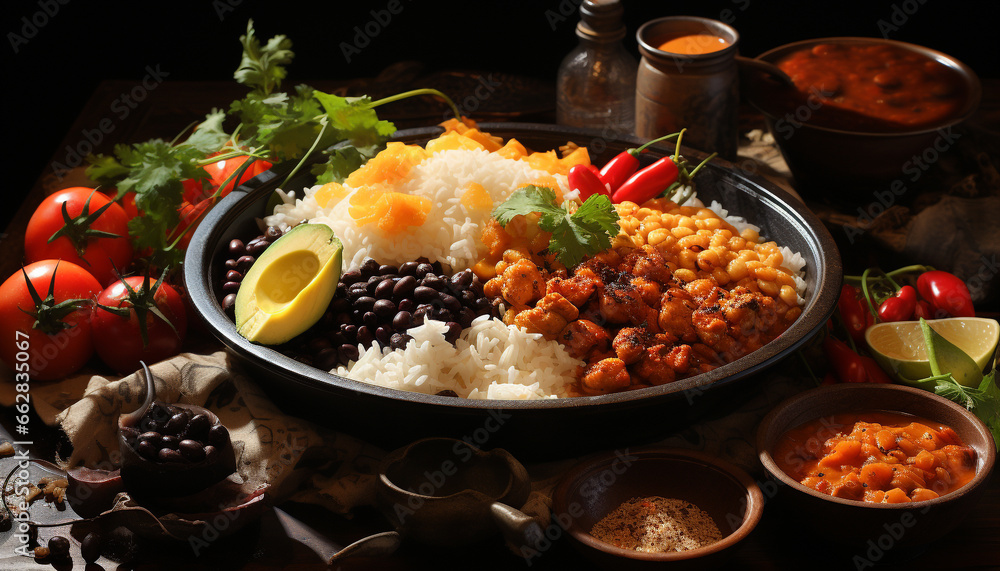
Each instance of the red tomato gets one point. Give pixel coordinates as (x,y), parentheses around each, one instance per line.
(121,340)
(81,241)
(946,293)
(219,171)
(62,342)
(190,216)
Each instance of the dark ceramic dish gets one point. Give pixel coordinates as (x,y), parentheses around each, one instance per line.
(392,418)
(851,162)
(854,523)
(597,486)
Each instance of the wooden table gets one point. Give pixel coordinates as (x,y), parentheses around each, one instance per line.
(305,535)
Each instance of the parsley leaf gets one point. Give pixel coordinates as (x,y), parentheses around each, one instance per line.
(262,68)
(575,235)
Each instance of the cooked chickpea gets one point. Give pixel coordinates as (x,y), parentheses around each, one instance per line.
(750,235)
(657,236)
(685,275)
(788,295)
(682,231)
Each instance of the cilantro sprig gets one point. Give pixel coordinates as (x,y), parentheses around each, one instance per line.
(575,235)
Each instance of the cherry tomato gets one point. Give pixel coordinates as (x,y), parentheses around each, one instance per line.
(190,216)
(219,171)
(127,330)
(47,340)
(900,306)
(946,293)
(93,238)
(853,312)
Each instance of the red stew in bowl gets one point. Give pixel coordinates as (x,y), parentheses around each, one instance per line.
(871,87)
(876,457)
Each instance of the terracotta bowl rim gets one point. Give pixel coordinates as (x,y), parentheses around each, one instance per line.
(754,502)
(982,474)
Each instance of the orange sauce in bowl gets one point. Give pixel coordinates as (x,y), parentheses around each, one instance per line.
(876,457)
(694,44)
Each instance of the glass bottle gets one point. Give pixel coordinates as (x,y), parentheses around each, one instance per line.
(596,81)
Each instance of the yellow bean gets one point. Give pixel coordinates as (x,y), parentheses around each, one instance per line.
(788,295)
(668,220)
(657,236)
(682,231)
(684,275)
(687,259)
(750,235)
(737,243)
(766,273)
(648,225)
(793,314)
(769,288)
(737,269)
(721,276)
(693,241)
(708,260)
(718,240)
(687,222)
(785,279)
(713,223)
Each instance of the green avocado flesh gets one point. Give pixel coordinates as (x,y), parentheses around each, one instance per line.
(290,285)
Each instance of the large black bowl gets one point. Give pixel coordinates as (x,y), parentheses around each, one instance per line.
(530,428)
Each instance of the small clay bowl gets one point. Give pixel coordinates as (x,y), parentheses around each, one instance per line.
(597,486)
(438,491)
(898,530)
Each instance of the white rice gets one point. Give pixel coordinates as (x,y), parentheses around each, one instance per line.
(452,231)
(489,360)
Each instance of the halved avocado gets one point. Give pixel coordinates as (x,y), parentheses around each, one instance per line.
(290,285)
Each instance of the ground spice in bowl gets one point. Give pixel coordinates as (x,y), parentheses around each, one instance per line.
(657,525)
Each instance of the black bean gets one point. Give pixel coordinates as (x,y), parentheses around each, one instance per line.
(433,281)
(351,277)
(385,289)
(451,303)
(229,301)
(441,314)
(462,279)
(316,344)
(424,294)
(454,330)
(58,547)
(370,318)
(231,287)
(466,317)
(364,303)
(350,331)
(402,320)
(357,290)
(237,247)
(231,264)
(482,305)
(404,287)
(192,450)
(170,442)
(407,305)
(373,284)
(408,268)
(168,455)
(256,247)
(327,359)
(175,424)
(348,353)
(365,336)
(147,450)
(387,269)
(244,262)
(438,268)
(218,435)
(199,424)
(211,453)
(423,269)
(369,267)
(422,311)
(447,393)
(151,436)
(383,334)
(399,340)
(385,309)
(476,286)
(272,233)
(90,547)
(338,339)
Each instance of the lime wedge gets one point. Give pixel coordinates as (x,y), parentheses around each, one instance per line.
(900,348)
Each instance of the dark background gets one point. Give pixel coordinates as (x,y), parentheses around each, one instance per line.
(48,80)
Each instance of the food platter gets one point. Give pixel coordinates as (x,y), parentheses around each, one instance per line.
(388,417)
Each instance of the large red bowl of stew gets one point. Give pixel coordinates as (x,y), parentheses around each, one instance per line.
(864,113)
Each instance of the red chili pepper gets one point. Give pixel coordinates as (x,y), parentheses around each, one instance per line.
(924,310)
(874,371)
(647,183)
(618,169)
(584,180)
(853,313)
(847,364)
(946,293)
(900,306)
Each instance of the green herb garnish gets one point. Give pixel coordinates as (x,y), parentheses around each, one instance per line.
(575,235)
